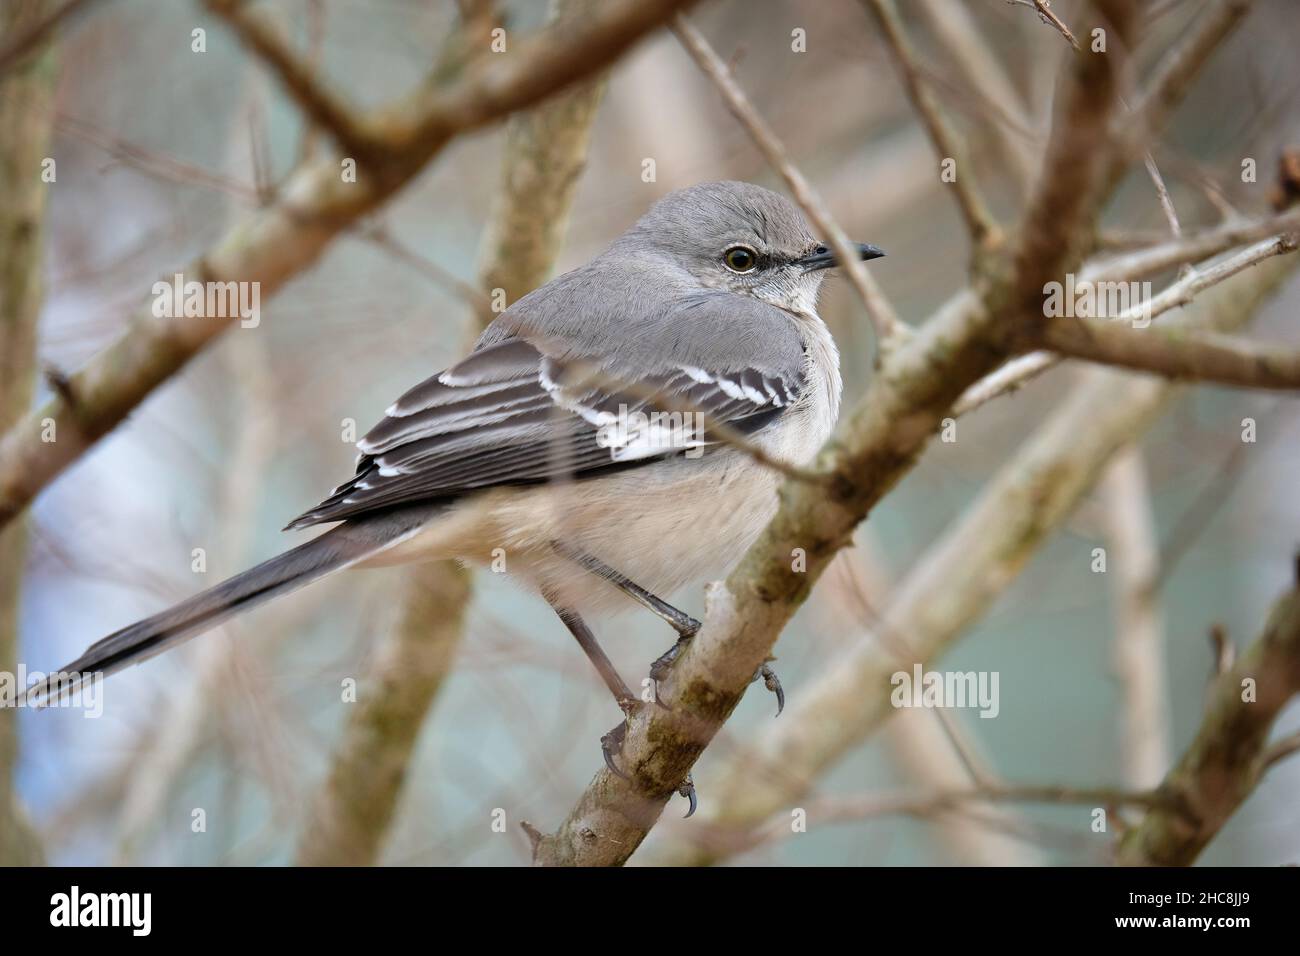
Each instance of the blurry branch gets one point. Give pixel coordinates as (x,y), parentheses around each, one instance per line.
(545,153)
(300,79)
(879,311)
(1137,649)
(537,67)
(352,813)
(152,163)
(26,117)
(195,702)
(380,235)
(1162,193)
(937,805)
(918,380)
(1018,371)
(1061,219)
(965,47)
(1225,761)
(983,230)
(1202,356)
(38,32)
(957,581)
(1044,9)
(1174,73)
(1193,247)
(918,743)
(274,244)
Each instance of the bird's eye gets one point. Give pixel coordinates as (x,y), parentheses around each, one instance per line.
(740,259)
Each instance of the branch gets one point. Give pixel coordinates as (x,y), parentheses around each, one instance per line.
(979,223)
(39,32)
(1191,247)
(352,813)
(879,311)
(965,47)
(1045,13)
(1173,75)
(1061,218)
(1230,753)
(1197,356)
(1137,649)
(1021,370)
(938,804)
(538,67)
(545,154)
(27,98)
(276,243)
(299,78)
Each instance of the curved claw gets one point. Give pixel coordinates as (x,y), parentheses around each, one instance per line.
(773,683)
(687,790)
(611,744)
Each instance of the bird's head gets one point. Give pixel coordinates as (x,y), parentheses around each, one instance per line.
(740,238)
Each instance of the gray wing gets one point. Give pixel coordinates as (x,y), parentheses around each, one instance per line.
(529,410)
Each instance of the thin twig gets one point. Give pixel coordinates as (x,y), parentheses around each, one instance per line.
(324,107)
(879,311)
(979,223)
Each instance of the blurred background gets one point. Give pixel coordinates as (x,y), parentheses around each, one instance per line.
(159,150)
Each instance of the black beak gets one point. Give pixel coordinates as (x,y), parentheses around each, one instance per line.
(823,257)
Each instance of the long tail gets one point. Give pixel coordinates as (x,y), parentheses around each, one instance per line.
(336,549)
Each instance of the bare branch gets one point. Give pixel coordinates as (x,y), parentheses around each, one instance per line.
(1173,75)
(546,152)
(1137,650)
(964,46)
(1191,247)
(1021,370)
(1044,9)
(351,815)
(39,32)
(1230,753)
(1199,356)
(979,223)
(879,310)
(27,100)
(1162,193)
(341,120)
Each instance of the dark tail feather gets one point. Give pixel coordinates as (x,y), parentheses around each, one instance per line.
(332,551)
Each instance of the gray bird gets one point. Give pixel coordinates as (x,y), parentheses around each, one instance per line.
(575,437)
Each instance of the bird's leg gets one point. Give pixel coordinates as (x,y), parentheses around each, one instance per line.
(685,625)
(612,743)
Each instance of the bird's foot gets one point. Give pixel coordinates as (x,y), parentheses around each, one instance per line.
(772,683)
(687,790)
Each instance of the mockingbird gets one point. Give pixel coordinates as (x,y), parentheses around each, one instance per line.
(575,439)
